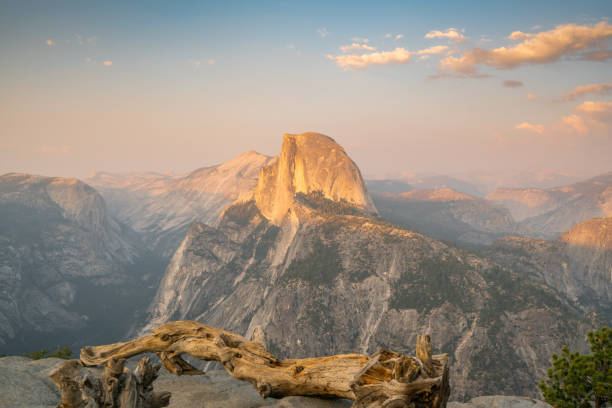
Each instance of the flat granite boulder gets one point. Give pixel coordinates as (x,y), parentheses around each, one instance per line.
(500,401)
(25,383)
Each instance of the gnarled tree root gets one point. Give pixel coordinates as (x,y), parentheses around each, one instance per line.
(385,379)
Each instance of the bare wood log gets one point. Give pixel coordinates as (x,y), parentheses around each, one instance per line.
(385,379)
(113,387)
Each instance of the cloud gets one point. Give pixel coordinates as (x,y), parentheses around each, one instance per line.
(388,35)
(512,84)
(88,59)
(540,48)
(436,49)
(399,36)
(50,43)
(600,89)
(397,56)
(597,110)
(360,40)
(576,124)
(531,96)
(357,61)
(538,129)
(322,32)
(599,56)
(519,35)
(356,46)
(451,34)
(212,61)
(108,63)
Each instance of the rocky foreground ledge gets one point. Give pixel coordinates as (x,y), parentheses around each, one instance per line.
(26,383)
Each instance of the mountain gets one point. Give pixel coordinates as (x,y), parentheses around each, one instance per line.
(578,264)
(66,267)
(305,257)
(439,181)
(448,214)
(161,207)
(554,210)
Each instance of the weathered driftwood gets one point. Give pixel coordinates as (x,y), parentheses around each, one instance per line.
(114,386)
(385,379)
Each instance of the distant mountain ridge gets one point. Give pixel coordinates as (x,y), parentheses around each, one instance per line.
(552,211)
(447,214)
(161,207)
(306,258)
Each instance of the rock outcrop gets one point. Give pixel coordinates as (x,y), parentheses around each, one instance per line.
(308,261)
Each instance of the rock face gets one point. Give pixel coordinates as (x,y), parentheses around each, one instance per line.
(310,163)
(59,251)
(161,207)
(554,210)
(448,214)
(578,264)
(306,259)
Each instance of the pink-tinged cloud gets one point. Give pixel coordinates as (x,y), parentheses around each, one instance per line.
(356,46)
(436,49)
(397,56)
(450,34)
(540,48)
(519,35)
(531,96)
(361,61)
(598,110)
(598,89)
(108,63)
(50,43)
(537,129)
(599,56)
(576,124)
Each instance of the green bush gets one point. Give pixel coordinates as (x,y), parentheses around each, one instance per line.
(63,352)
(581,381)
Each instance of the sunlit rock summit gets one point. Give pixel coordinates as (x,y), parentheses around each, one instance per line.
(310,163)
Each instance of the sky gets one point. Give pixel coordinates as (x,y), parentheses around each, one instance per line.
(404,86)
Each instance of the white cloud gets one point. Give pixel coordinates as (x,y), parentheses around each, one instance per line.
(537,129)
(597,110)
(399,36)
(450,34)
(322,32)
(399,55)
(540,48)
(357,61)
(436,49)
(360,40)
(356,46)
(575,123)
(388,35)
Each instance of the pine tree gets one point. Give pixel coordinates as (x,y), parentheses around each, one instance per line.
(581,381)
